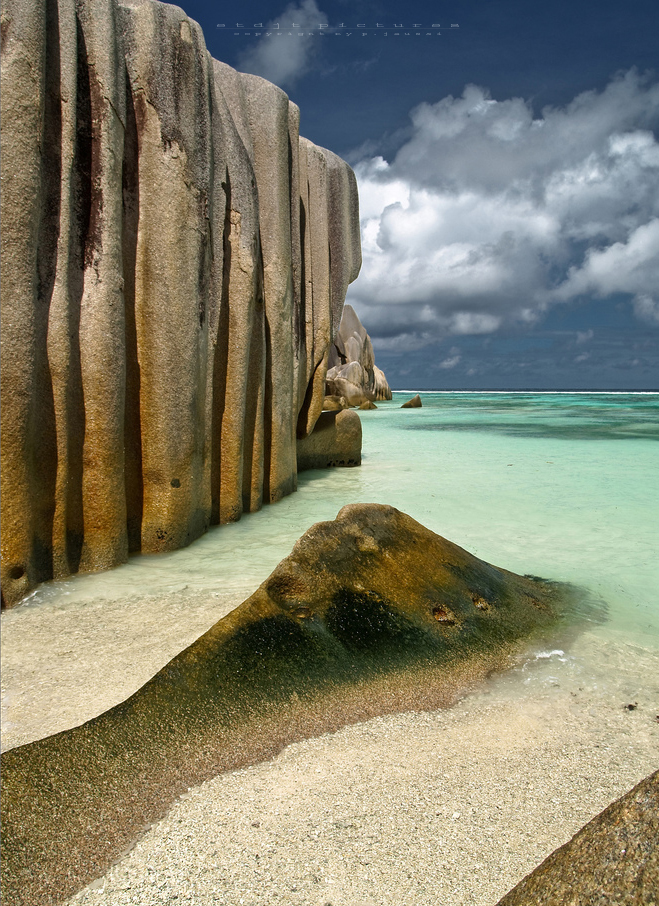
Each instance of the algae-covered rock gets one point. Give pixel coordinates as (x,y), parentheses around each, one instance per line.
(370,613)
(613,860)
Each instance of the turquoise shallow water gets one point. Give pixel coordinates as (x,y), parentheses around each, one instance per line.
(559,485)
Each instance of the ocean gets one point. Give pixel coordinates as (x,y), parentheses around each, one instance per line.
(559,485)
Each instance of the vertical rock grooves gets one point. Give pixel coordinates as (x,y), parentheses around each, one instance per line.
(134,485)
(175,262)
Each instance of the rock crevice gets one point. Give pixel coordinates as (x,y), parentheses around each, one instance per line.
(175,263)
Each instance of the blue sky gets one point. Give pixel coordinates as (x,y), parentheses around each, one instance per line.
(508,171)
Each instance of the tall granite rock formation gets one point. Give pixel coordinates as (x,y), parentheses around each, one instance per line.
(352,372)
(175,262)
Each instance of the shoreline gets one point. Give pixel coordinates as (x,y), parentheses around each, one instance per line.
(452,806)
(62,666)
(364,815)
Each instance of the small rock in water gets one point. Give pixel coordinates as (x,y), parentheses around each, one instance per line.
(414,403)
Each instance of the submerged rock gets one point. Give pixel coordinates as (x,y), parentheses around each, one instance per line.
(370,613)
(613,860)
(414,403)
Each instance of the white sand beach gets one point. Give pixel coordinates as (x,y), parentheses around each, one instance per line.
(451,807)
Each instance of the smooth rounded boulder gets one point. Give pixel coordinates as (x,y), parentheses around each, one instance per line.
(334,403)
(352,371)
(336,440)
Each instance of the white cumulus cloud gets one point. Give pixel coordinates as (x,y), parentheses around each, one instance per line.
(629,266)
(488,215)
(451,360)
(646,308)
(283,59)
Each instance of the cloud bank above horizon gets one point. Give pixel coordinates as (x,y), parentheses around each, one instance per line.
(488,216)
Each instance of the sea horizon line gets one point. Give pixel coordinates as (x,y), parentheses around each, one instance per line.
(552,392)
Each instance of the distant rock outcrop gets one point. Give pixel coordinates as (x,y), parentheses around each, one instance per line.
(370,613)
(613,860)
(352,371)
(414,403)
(175,262)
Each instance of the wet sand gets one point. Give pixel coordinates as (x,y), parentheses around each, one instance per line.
(452,806)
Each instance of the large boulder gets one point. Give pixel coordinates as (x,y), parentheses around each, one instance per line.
(175,258)
(352,372)
(382,391)
(370,613)
(414,403)
(613,860)
(336,440)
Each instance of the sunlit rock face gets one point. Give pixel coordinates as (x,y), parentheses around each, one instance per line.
(352,372)
(175,262)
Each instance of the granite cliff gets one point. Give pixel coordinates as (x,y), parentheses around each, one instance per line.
(175,263)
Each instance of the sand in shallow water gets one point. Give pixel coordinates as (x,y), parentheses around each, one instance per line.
(450,807)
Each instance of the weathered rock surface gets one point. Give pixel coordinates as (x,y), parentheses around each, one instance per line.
(175,261)
(336,440)
(370,613)
(352,371)
(414,403)
(334,403)
(612,861)
(368,405)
